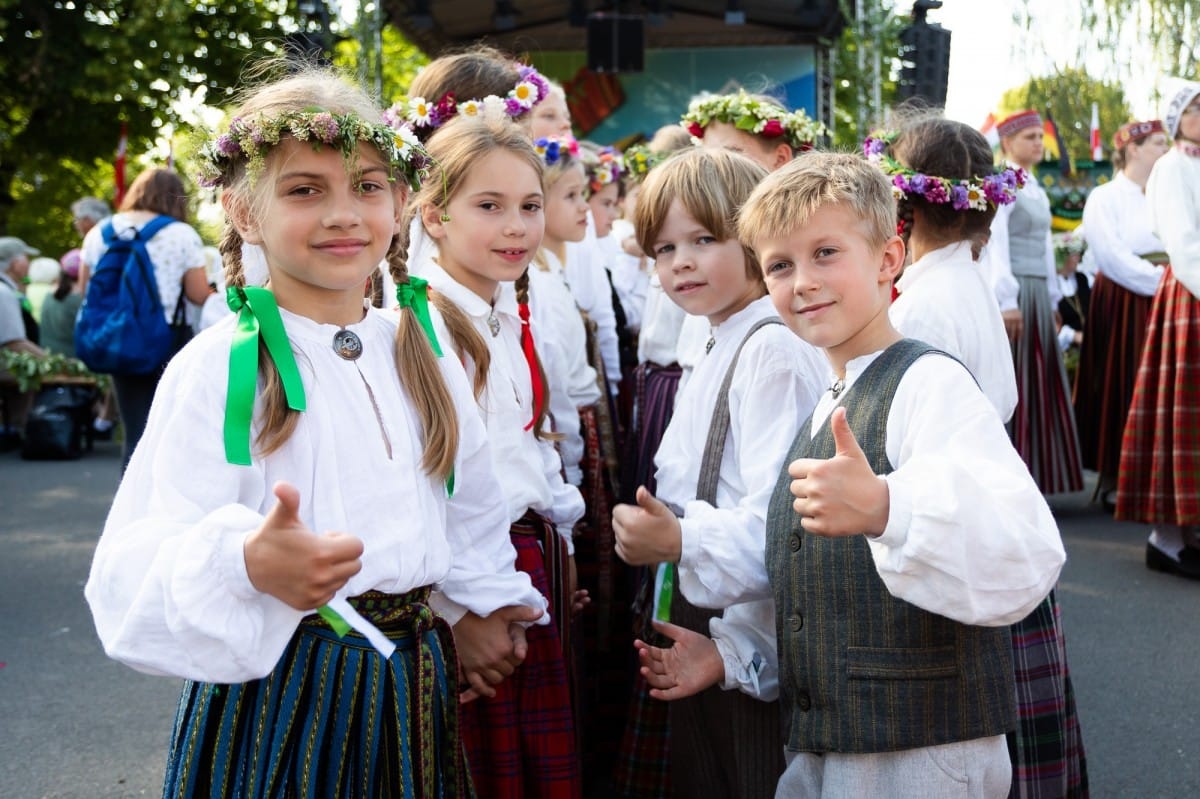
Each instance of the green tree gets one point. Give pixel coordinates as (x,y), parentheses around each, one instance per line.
(865,67)
(1069,94)
(399,57)
(74,70)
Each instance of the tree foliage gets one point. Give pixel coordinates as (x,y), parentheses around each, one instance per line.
(74,70)
(1069,94)
(874,34)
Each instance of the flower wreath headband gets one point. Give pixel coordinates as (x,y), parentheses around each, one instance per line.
(553,149)
(639,160)
(530,90)
(250,138)
(605,170)
(975,194)
(744,112)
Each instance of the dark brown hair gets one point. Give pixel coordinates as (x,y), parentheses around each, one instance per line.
(160,191)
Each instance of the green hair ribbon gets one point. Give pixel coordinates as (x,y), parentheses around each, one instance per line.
(415,295)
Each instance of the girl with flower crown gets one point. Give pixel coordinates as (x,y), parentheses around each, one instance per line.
(310,469)
(1159,475)
(947,195)
(479,221)
(1022,269)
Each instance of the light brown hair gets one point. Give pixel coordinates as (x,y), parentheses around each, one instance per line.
(421,377)
(710,185)
(157,190)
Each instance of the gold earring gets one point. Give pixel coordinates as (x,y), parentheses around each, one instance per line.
(445,217)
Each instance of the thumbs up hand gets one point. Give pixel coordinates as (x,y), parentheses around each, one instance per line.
(287,560)
(841,496)
(648,532)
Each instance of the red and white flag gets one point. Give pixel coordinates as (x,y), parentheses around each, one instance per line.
(1097,152)
(119,164)
(988,129)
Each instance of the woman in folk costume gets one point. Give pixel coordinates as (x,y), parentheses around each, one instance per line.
(1020,260)
(1159,478)
(949,192)
(309,470)
(1126,259)
(481,210)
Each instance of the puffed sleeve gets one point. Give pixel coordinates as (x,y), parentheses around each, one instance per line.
(168,587)
(1175,211)
(745,638)
(1111,255)
(969,535)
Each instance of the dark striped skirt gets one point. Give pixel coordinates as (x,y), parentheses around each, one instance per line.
(1113,336)
(1159,480)
(521,743)
(1047,746)
(1043,426)
(333,719)
(654,403)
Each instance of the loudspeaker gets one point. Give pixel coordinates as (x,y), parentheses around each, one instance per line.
(616,43)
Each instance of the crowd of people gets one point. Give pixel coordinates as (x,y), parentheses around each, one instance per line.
(504,464)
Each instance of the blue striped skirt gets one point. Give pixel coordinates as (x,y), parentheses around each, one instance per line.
(334,719)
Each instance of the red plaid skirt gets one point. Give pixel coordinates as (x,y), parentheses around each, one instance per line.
(521,743)
(1159,480)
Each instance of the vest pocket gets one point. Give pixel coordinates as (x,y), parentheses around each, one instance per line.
(894,663)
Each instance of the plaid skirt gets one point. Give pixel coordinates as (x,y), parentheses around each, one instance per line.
(521,743)
(1047,745)
(1113,337)
(1043,426)
(333,719)
(1159,479)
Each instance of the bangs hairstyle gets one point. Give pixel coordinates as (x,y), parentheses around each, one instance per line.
(711,185)
(787,199)
(952,150)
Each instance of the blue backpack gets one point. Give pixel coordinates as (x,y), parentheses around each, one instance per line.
(121,328)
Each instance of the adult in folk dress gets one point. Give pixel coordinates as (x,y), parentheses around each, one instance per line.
(1127,260)
(1159,478)
(1020,261)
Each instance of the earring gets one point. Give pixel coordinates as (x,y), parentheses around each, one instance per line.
(444,217)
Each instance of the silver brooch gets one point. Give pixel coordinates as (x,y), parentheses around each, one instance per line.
(347,345)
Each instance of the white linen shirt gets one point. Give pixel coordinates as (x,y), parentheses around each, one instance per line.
(529,468)
(995,257)
(661,323)
(1116,226)
(776,383)
(945,301)
(168,586)
(562,344)
(969,535)
(1173,192)
(587,275)
(629,275)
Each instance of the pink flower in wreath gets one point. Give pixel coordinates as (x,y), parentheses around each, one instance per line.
(695,129)
(773,129)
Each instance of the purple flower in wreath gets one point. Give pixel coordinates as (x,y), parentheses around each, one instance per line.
(226,145)
(995,188)
(935,192)
(445,109)
(325,127)
(901,182)
(959,198)
(531,75)
(872,148)
(513,107)
(918,183)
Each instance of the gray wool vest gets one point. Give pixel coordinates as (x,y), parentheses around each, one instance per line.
(1027,228)
(860,670)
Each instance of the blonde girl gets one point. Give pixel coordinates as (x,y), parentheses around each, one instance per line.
(479,221)
(309,470)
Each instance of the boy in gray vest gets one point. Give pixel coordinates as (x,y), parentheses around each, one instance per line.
(906,533)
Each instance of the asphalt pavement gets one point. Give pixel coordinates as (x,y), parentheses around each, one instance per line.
(75,725)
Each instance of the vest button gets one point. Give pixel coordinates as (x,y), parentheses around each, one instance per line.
(797,622)
(803,701)
(795,542)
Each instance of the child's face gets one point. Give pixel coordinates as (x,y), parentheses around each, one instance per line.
(550,117)
(566,208)
(1189,122)
(703,276)
(830,285)
(325,229)
(495,226)
(605,208)
(724,136)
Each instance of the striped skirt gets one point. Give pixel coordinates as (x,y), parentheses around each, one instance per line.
(521,743)
(1113,337)
(1047,746)
(1159,480)
(333,719)
(1043,426)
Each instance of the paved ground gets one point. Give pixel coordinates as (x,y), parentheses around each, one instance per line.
(74,724)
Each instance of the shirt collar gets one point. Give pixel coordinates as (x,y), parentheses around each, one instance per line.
(931,260)
(472,304)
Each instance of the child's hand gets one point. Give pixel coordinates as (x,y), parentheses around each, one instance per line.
(287,560)
(840,496)
(491,647)
(579,596)
(686,668)
(648,533)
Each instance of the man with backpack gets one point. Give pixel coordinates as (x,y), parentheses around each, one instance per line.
(143,267)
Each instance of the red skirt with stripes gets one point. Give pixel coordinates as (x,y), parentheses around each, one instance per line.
(521,743)
(1113,337)
(1159,479)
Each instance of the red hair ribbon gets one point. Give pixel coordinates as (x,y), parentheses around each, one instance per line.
(535,378)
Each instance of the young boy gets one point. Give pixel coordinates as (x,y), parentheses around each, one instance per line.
(906,533)
(724,744)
